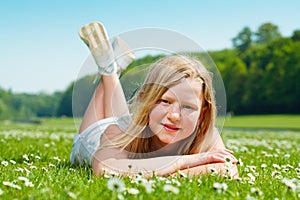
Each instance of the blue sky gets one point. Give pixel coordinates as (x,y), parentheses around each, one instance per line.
(41,51)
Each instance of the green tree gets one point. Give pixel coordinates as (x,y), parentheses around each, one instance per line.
(3,110)
(271,86)
(266,33)
(296,35)
(83,90)
(243,40)
(46,105)
(65,103)
(234,72)
(6,110)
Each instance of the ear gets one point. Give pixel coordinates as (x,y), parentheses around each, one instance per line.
(140,95)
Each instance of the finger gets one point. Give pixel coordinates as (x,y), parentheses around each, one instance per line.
(230,151)
(231,159)
(223,150)
(217,158)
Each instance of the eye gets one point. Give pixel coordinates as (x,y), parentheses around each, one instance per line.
(165,101)
(188,107)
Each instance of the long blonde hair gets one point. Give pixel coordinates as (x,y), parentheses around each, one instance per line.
(162,75)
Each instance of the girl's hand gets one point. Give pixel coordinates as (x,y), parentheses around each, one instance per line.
(216,156)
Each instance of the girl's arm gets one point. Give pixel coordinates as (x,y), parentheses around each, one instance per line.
(213,168)
(220,168)
(116,161)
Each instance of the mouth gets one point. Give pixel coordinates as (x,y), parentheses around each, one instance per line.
(170,127)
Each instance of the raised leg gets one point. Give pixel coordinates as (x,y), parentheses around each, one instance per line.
(107,101)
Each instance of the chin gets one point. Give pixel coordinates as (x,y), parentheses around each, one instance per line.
(167,140)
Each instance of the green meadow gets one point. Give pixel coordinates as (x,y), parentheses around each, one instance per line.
(273,122)
(34,164)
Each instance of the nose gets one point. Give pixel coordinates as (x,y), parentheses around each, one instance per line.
(174,113)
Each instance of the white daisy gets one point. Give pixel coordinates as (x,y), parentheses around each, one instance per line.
(147,186)
(252,178)
(240,162)
(256,191)
(37,157)
(289,183)
(276,166)
(29,184)
(5,163)
(263,166)
(133,191)
(182,174)
(228,159)
(220,187)
(287,156)
(212,170)
(25,156)
(170,188)
(19,169)
(21,178)
(12,162)
(57,158)
(9,184)
(116,185)
(72,195)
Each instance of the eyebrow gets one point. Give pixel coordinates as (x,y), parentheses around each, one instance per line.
(184,102)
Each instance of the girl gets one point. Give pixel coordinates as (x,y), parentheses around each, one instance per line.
(170,125)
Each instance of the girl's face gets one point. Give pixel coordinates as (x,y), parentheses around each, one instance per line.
(175,116)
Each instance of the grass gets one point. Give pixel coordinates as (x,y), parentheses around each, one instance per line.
(290,122)
(35,165)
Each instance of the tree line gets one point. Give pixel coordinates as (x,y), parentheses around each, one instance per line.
(262,71)
(261,74)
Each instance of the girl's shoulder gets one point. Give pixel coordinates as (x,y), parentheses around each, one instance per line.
(212,141)
(124,121)
(118,128)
